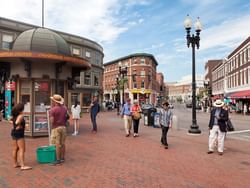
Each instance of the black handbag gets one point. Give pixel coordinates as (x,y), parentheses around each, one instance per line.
(230,126)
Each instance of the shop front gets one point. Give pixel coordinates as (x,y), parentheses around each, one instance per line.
(41,65)
(142,95)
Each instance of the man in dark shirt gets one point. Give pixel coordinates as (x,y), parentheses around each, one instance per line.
(58,121)
(94,110)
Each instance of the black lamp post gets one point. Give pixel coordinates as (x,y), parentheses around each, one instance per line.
(194,40)
(122,73)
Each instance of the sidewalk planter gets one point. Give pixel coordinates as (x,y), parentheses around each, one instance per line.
(46,154)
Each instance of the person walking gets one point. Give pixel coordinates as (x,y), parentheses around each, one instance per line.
(136,116)
(17,134)
(58,118)
(94,110)
(217,127)
(76,110)
(166,118)
(127,116)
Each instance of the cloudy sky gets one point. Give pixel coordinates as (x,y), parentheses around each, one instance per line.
(124,27)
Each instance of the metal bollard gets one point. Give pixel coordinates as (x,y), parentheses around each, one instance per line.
(175,122)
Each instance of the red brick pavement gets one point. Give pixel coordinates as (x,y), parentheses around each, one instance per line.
(109,159)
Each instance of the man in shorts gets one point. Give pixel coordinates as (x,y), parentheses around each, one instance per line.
(58,120)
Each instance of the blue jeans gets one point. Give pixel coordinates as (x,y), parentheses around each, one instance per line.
(93,120)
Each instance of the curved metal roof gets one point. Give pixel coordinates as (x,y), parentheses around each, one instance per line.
(41,40)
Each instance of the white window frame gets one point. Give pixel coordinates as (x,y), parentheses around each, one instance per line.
(75,50)
(84,77)
(88,54)
(143,61)
(143,73)
(7,39)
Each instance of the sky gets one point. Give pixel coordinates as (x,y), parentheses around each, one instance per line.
(124,27)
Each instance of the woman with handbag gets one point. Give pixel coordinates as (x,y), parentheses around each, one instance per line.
(136,116)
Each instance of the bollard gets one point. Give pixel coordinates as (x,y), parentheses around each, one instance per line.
(175,122)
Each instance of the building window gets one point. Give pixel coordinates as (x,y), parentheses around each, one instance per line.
(76,51)
(87,78)
(6,41)
(143,74)
(142,61)
(96,80)
(88,54)
(97,58)
(135,85)
(142,84)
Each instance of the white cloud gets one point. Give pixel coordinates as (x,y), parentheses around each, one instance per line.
(94,19)
(228,34)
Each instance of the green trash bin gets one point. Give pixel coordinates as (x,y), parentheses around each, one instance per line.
(46,154)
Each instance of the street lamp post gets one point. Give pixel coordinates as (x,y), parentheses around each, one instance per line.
(194,40)
(122,72)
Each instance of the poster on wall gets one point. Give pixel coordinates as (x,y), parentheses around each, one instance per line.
(40,123)
(27,123)
(7,104)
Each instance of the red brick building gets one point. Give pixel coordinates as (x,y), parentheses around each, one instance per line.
(140,81)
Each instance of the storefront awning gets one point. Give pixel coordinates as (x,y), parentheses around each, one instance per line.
(142,91)
(241,95)
(16,56)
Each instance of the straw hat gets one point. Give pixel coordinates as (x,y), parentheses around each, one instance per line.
(57,98)
(218,103)
(135,101)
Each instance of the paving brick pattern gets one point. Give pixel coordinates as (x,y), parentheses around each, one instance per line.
(109,159)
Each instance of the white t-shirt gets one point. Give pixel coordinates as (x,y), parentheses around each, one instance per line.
(76,111)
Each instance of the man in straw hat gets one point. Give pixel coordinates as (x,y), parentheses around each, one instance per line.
(217,126)
(58,121)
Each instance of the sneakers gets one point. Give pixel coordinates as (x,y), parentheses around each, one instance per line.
(75,133)
(56,163)
(136,134)
(209,152)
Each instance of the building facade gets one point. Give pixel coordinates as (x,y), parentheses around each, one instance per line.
(160,88)
(231,80)
(36,63)
(140,80)
(85,84)
(182,90)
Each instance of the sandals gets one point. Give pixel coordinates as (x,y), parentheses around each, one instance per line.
(26,168)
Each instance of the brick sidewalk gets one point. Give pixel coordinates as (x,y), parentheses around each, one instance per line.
(109,159)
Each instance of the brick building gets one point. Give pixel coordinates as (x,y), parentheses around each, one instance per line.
(140,81)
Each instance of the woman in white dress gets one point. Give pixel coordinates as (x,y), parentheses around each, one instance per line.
(76,110)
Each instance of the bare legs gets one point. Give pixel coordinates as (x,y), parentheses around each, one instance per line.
(18,151)
(76,127)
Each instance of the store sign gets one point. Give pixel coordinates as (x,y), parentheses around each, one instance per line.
(10,85)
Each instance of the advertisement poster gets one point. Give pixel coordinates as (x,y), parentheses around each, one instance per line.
(40,123)
(27,123)
(7,104)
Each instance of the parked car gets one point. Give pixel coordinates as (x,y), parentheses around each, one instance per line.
(190,105)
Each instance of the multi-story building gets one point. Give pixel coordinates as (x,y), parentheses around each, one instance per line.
(160,87)
(140,79)
(182,90)
(231,79)
(209,66)
(86,84)
(218,77)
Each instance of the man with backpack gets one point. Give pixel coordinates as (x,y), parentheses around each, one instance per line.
(94,110)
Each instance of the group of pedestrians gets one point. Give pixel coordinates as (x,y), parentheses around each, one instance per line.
(58,116)
(132,113)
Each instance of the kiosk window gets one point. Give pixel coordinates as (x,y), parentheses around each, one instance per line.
(42,96)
